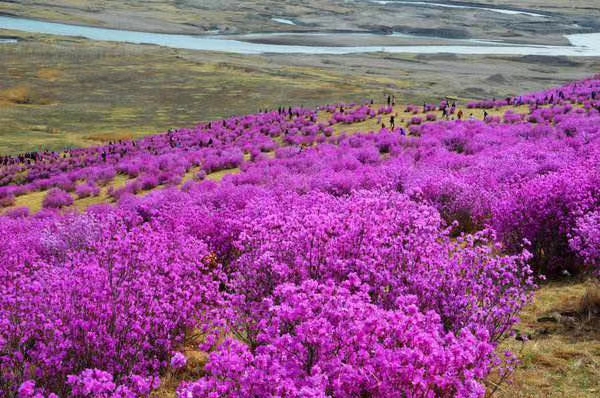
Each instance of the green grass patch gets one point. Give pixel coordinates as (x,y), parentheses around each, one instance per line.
(218,176)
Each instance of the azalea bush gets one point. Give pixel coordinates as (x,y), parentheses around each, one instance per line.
(320,340)
(97,292)
(57,198)
(383,263)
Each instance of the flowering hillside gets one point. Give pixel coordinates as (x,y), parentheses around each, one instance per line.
(304,253)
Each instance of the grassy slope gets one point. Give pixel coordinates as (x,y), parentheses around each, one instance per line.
(562,359)
(34,200)
(57,93)
(60,93)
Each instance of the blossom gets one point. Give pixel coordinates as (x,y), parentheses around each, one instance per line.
(27,389)
(178,361)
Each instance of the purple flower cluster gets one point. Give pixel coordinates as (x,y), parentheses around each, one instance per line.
(87,190)
(178,361)
(91,303)
(586,239)
(57,198)
(372,264)
(97,383)
(320,340)
(355,115)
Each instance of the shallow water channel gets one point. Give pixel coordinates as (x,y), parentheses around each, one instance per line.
(581,44)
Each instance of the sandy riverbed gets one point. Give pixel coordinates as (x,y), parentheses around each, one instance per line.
(231,17)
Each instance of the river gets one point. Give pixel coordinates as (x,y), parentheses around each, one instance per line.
(463,7)
(587,45)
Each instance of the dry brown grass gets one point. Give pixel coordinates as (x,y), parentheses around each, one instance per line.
(193,371)
(196,360)
(105,138)
(562,358)
(20,95)
(93,92)
(590,303)
(32,200)
(50,74)
(218,176)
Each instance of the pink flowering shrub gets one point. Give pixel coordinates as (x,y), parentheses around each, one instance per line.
(92,383)
(324,238)
(96,383)
(57,198)
(364,264)
(7,200)
(178,361)
(18,212)
(544,211)
(148,182)
(87,190)
(415,120)
(328,340)
(586,239)
(98,293)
